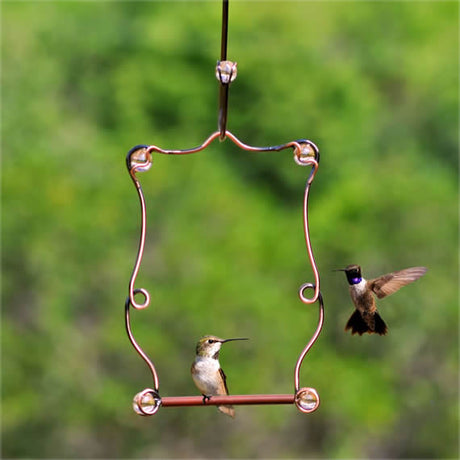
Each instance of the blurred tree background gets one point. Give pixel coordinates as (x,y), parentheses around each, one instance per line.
(373,84)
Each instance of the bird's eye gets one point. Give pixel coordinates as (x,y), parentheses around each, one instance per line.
(211,341)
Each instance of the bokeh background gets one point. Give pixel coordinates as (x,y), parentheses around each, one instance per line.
(373,84)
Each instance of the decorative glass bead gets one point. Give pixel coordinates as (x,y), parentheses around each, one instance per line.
(226,71)
(146,402)
(307,400)
(141,159)
(307,151)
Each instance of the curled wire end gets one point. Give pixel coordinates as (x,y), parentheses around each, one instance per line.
(304,298)
(306,400)
(147,402)
(144,304)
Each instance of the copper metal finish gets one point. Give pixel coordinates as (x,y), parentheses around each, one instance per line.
(140,251)
(312,160)
(139,159)
(136,346)
(131,301)
(312,340)
(236,400)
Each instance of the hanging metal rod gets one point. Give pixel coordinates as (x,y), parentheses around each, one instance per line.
(224,39)
(225,73)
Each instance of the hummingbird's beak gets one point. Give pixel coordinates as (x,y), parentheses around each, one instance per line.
(339,270)
(229,340)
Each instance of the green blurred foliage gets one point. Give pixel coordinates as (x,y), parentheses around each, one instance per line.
(373,84)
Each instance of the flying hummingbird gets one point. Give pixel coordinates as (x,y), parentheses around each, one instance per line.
(207,373)
(366,318)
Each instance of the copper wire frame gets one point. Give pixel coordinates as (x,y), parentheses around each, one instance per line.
(139,159)
(148,401)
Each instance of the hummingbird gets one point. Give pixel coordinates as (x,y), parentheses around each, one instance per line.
(207,373)
(366,317)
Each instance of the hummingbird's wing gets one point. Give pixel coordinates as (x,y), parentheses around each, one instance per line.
(391,282)
(224,379)
(227,409)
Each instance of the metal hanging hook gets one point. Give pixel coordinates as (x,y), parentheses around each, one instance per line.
(224,36)
(225,72)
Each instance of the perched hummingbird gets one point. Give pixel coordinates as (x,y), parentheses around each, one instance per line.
(366,318)
(207,373)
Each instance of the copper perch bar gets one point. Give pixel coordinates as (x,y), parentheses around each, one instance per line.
(174,401)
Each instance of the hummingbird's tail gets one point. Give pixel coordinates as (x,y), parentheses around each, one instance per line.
(372,324)
(227,409)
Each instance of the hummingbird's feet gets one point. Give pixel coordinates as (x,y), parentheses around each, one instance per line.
(206,398)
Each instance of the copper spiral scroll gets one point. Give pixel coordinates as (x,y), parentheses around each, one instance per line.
(148,401)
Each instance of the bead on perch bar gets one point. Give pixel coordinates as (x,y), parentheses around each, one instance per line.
(139,159)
